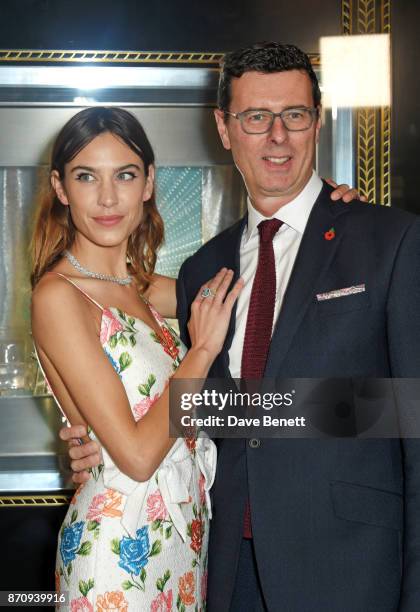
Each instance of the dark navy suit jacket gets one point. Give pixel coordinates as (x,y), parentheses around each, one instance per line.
(336,522)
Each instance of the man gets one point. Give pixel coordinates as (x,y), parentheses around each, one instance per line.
(309,525)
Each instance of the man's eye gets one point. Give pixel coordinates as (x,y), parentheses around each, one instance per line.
(257,117)
(85,177)
(126,176)
(296,114)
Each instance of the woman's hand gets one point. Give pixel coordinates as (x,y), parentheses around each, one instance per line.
(210,315)
(344,192)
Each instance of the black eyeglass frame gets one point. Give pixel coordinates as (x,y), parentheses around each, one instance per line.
(313,111)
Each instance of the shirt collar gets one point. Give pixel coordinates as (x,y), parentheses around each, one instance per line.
(295,213)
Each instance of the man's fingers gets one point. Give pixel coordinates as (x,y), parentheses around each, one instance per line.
(76,431)
(80,477)
(78,465)
(84,450)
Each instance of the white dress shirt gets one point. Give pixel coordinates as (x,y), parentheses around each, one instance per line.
(286,242)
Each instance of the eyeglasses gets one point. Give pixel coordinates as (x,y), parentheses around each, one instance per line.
(261,121)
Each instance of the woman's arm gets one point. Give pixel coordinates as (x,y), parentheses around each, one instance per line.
(161,292)
(162,295)
(67,339)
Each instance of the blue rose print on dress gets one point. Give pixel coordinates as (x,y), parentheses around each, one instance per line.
(70,541)
(134,553)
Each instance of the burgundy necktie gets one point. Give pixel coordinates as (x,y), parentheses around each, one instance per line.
(259,323)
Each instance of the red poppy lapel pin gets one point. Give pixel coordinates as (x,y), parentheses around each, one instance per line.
(330,234)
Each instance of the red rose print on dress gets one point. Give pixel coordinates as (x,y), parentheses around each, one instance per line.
(81,604)
(156,509)
(162,603)
(142,407)
(110,326)
(96,507)
(105,504)
(196,535)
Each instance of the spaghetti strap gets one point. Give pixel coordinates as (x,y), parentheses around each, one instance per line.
(64,417)
(87,296)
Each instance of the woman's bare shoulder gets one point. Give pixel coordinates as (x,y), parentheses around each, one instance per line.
(54,298)
(48,285)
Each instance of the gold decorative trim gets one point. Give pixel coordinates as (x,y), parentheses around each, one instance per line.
(386,17)
(106,57)
(346,16)
(366,17)
(366,117)
(370,157)
(35,500)
(385,154)
(385,165)
(118,57)
(366,153)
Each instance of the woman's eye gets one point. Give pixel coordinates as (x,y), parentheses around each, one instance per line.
(84,177)
(126,176)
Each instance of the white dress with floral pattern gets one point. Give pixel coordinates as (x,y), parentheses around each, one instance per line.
(130,546)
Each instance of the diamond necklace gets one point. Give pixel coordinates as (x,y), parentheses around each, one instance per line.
(105,277)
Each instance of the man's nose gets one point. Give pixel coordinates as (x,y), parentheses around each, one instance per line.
(108,194)
(278,132)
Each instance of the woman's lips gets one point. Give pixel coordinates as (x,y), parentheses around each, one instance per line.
(108,220)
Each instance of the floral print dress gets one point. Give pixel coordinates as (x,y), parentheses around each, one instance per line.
(130,546)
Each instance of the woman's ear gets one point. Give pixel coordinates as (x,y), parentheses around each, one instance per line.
(58,187)
(150,183)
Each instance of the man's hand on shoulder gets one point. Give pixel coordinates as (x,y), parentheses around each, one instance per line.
(83,455)
(344,192)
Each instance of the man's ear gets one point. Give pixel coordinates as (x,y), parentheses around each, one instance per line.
(58,187)
(219,115)
(150,183)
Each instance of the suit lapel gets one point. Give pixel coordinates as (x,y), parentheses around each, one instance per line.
(313,259)
(231,259)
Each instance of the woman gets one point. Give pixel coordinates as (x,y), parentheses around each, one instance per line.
(135,536)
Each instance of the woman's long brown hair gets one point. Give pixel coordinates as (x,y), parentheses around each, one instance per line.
(54,231)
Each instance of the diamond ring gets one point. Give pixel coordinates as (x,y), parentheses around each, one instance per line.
(207,292)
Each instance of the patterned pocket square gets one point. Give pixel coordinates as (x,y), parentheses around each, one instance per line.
(337,293)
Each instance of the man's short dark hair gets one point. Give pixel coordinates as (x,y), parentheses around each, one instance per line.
(264,57)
